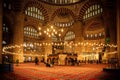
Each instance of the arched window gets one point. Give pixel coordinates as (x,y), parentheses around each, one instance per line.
(35,13)
(61,1)
(69,35)
(30,32)
(64,24)
(97,35)
(92,11)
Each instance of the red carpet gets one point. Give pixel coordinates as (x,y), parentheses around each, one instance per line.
(41,72)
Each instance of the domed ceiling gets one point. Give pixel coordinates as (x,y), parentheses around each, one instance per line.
(63,17)
(61,2)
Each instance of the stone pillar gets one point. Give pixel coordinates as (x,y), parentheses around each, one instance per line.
(18,35)
(48,48)
(118,29)
(110,22)
(0,31)
(78,37)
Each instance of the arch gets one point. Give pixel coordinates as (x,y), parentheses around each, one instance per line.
(61,2)
(40,7)
(70,35)
(94,23)
(95,27)
(30,26)
(86,6)
(30,31)
(62,11)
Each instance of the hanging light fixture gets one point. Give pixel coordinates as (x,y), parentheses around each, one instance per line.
(51,31)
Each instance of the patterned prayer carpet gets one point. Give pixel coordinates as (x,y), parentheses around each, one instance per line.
(30,71)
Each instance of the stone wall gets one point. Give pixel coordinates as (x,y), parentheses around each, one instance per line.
(0,31)
(78,28)
(118,29)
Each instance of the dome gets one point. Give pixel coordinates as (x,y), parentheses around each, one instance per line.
(61,2)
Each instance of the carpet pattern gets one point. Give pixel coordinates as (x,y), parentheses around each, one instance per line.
(41,72)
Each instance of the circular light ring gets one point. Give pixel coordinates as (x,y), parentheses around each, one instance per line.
(7,48)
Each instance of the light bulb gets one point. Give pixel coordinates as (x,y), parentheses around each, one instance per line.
(62,30)
(59,34)
(56,32)
(49,35)
(48,30)
(53,30)
(39,28)
(40,33)
(44,31)
(51,27)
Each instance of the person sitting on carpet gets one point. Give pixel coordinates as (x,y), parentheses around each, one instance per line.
(48,64)
(36,61)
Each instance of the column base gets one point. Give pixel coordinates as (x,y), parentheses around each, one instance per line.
(6,67)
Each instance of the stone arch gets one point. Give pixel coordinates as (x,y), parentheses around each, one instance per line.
(62,10)
(69,31)
(31,26)
(94,25)
(86,6)
(39,6)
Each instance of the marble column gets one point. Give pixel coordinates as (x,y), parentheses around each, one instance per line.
(18,36)
(118,29)
(0,31)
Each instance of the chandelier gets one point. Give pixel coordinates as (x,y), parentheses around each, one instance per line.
(51,31)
